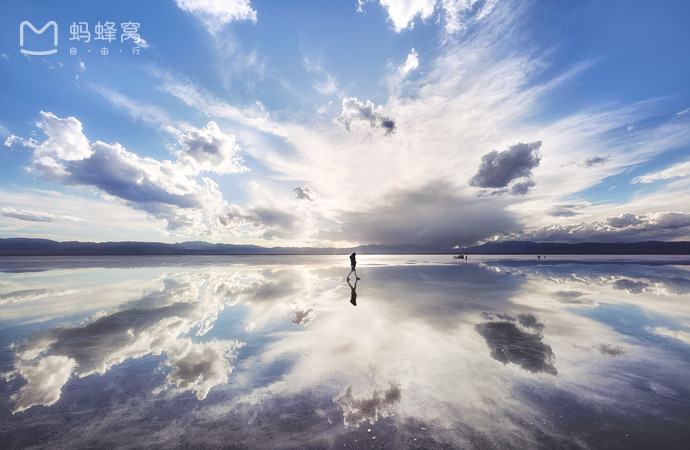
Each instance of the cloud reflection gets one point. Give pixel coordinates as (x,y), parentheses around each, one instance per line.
(156,323)
(45,378)
(275,354)
(358,410)
(510,344)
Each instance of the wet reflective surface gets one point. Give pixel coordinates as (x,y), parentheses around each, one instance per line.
(280,352)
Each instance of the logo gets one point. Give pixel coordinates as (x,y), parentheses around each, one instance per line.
(25,24)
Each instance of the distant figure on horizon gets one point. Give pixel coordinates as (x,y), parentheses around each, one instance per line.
(353,293)
(353,264)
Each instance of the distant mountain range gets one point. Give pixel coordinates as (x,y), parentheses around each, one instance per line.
(46,247)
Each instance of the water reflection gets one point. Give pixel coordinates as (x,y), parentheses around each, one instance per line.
(518,340)
(353,292)
(264,354)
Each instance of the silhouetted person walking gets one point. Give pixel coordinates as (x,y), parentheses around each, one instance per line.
(353,264)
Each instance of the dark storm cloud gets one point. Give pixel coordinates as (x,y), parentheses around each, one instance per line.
(610,350)
(567,210)
(499,169)
(433,215)
(596,160)
(305,193)
(624,220)
(273,221)
(389,125)
(522,187)
(304,316)
(358,410)
(356,112)
(510,344)
(529,321)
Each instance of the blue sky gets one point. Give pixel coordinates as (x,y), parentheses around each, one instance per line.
(314,123)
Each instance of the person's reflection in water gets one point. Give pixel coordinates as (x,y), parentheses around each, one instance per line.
(353,294)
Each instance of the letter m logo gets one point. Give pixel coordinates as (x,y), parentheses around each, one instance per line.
(25,24)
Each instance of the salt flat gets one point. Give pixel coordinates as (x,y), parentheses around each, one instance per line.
(281,351)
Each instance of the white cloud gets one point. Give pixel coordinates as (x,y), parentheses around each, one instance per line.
(11,139)
(625,227)
(411,64)
(326,83)
(136,110)
(403,12)
(274,214)
(680,335)
(324,108)
(456,14)
(163,189)
(209,150)
(80,214)
(254,116)
(356,113)
(82,69)
(675,171)
(35,216)
(65,139)
(142,43)
(683,112)
(217,13)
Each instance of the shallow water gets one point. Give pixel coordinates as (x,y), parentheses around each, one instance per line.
(271,352)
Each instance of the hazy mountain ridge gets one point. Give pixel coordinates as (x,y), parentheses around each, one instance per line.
(47,247)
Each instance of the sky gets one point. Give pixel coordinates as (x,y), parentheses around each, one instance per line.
(441,123)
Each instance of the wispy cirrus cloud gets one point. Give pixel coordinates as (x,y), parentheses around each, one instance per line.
(410,65)
(455,14)
(35,216)
(679,170)
(217,13)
